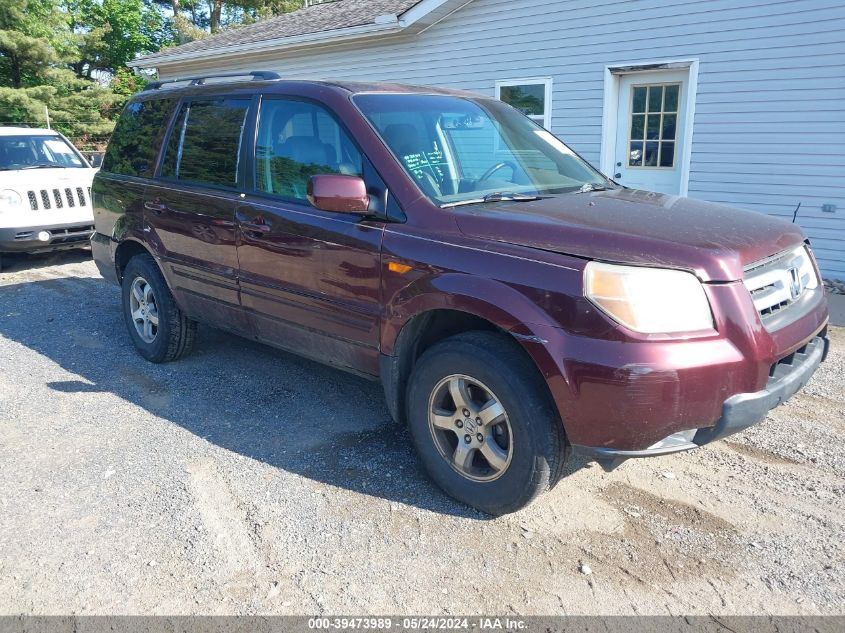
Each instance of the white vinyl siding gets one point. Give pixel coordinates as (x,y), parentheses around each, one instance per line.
(769,128)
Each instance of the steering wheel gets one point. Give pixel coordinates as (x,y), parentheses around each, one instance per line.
(429,184)
(489,173)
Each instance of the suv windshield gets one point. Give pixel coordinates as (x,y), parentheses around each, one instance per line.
(36,151)
(463,150)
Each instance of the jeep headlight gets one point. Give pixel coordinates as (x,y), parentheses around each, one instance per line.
(10,200)
(648,300)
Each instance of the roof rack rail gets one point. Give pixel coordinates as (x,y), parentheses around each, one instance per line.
(199,81)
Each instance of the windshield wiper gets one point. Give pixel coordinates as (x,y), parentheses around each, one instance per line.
(497,196)
(587,187)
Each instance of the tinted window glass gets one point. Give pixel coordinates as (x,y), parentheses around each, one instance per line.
(297,140)
(205,144)
(136,139)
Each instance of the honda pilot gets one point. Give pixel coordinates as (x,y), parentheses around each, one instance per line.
(516,305)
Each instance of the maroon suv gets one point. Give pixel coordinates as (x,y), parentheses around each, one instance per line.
(515,303)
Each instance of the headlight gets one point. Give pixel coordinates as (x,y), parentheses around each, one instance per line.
(10,200)
(648,300)
(803,260)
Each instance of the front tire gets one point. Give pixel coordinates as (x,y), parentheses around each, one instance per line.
(483,423)
(159,329)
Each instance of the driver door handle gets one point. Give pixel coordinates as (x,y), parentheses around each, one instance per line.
(257,229)
(155,207)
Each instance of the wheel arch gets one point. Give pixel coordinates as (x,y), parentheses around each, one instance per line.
(126,250)
(428,318)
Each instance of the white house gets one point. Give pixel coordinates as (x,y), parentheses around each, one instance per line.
(734,101)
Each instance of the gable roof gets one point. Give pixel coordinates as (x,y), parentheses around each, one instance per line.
(319,23)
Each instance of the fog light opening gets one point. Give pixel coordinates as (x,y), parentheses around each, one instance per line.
(44,236)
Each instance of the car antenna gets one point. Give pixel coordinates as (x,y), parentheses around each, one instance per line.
(795,213)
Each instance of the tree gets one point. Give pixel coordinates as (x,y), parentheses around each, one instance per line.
(37,46)
(192,18)
(70,55)
(22,57)
(30,33)
(110,33)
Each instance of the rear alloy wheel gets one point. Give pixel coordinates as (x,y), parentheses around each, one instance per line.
(159,329)
(483,422)
(142,306)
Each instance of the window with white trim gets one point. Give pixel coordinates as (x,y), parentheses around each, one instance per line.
(532,97)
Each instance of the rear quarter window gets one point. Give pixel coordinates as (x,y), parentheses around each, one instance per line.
(137,137)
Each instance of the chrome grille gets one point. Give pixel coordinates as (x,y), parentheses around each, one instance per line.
(779,281)
(42,199)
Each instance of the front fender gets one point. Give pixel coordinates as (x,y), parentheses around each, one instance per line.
(491,300)
(512,312)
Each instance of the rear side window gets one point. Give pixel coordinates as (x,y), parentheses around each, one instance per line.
(137,137)
(205,144)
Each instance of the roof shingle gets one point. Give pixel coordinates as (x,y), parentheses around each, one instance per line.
(327,16)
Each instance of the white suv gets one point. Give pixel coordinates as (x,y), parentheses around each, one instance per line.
(45,192)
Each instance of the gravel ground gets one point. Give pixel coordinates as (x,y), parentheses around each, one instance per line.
(242,480)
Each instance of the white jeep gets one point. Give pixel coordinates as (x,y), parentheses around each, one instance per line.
(45,192)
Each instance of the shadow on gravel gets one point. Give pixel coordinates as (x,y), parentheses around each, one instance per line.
(19,262)
(267,405)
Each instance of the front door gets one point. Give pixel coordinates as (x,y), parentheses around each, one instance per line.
(650,130)
(309,279)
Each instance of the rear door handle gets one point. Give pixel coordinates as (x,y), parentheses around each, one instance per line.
(155,207)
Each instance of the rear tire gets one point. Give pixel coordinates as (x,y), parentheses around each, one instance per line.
(518,448)
(159,329)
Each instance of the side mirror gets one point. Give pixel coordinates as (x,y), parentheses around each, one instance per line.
(333,192)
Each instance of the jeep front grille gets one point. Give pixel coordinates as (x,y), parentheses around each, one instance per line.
(42,199)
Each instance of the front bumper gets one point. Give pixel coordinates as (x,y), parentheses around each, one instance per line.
(739,412)
(25,239)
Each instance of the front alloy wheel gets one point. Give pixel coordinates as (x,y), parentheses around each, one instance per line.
(483,422)
(470,428)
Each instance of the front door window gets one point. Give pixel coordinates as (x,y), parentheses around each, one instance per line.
(297,140)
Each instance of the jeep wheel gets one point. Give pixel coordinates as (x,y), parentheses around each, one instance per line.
(483,422)
(158,328)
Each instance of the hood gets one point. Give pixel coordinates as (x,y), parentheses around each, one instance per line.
(23,180)
(636,227)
